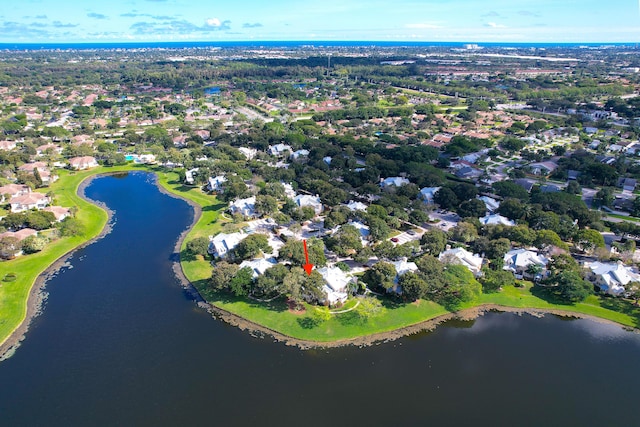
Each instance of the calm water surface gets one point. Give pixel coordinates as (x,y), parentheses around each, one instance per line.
(120,343)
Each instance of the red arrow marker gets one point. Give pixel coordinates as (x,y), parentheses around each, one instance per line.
(307,267)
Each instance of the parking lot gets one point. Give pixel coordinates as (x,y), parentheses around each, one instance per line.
(448,220)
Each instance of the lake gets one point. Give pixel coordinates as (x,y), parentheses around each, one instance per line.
(121,343)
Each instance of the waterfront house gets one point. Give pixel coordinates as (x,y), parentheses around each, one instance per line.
(82,163)
(58,211)
(258,266)
(336,286)
(518,261)
(462,257)
(29,201)
(215,183)
(221,244)
(611,277)
(245,207)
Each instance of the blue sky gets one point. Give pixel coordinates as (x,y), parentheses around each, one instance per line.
(381,20)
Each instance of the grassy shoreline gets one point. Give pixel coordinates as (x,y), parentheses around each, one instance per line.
(14,296)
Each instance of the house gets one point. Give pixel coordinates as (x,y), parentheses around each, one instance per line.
(518,261)
(364,231)
(336,285)
(12,251)
(572,174)
(611,277)
(312,201)
(258,266)
(427,194)
(543,168)
(20,234)
(58,211)
(81,163)
(356,206)
(7,145)
(249,153)
(524,183)
(30,167)
(467,172)
(221,244)
(327,160)
(215,183)
(394,182)
(462,257)
(245,207)
(496,219)
(190,176)
(401,267)
(491,203)
(296,155)
(41,150)
(28,201)
(627,184)
(13,190)
(549,188)
(279,150)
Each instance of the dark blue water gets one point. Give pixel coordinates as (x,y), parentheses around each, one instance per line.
(285,44)
(120,343)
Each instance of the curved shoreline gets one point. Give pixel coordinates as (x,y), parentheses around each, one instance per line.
(37,294)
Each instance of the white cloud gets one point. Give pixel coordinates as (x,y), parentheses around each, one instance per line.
(494,25)
(213,22)
(423,26)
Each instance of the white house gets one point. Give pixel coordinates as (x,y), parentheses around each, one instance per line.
(542,168)
(491,203)
(189,176)
(356,206)
(245,207)
(258,266)
(41,150)
(279,150)
(81,163)
(427,194)
(364,231)
(29,201)
(518,261)
(395,181)
(312,201)
(249,153)
(463,257)
(297,154)
(495,219)
(58,211)
(215,183)
(336,284)
(13,190)
(610,277)
(402,267)
(221,244)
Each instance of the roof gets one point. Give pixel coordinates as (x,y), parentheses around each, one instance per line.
(245,206)
(395,181)
(614,275)
(492,219)
(258,266)
(28,199)
(472,261)
(21,234)
(427,193)
(223,243)
(356,206)
(491,203)
(522,258)
(403,266)
(337,283)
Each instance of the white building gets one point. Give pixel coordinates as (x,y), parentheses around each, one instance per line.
(491,203)
(462,257)
(427,194)
(298,154)
(495,219)
(81,163)
(394,182)
(249,153)
(222,244)
(29,201)
(364,231)
(312,201)
(611,277)
(258,266)
(518,261)
(215,183)
(356,206)
(189,176)
(245,207)
(336,284)
(279,150)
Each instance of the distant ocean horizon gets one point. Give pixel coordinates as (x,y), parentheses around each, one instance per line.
(284,44)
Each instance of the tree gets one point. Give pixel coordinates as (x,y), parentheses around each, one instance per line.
(588,240)
(266,205)
(446,198)
(252,246)
(270,283)
(633,290)
(498,248)
(464,232)
(573,187)
(198,246)
(413,286)
(521,234)
(9,247)
(510,189)
(293,251)
(465,191)
(345,241)
(434,241)
(604,197)
(378,228)
(494,280)
(380,275)
(241,283)
(570,287)
(70,227)
(546,238)
(562,262)
(512,208)
(222,274)
(473,208)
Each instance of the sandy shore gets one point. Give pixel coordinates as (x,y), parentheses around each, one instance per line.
(37,294)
